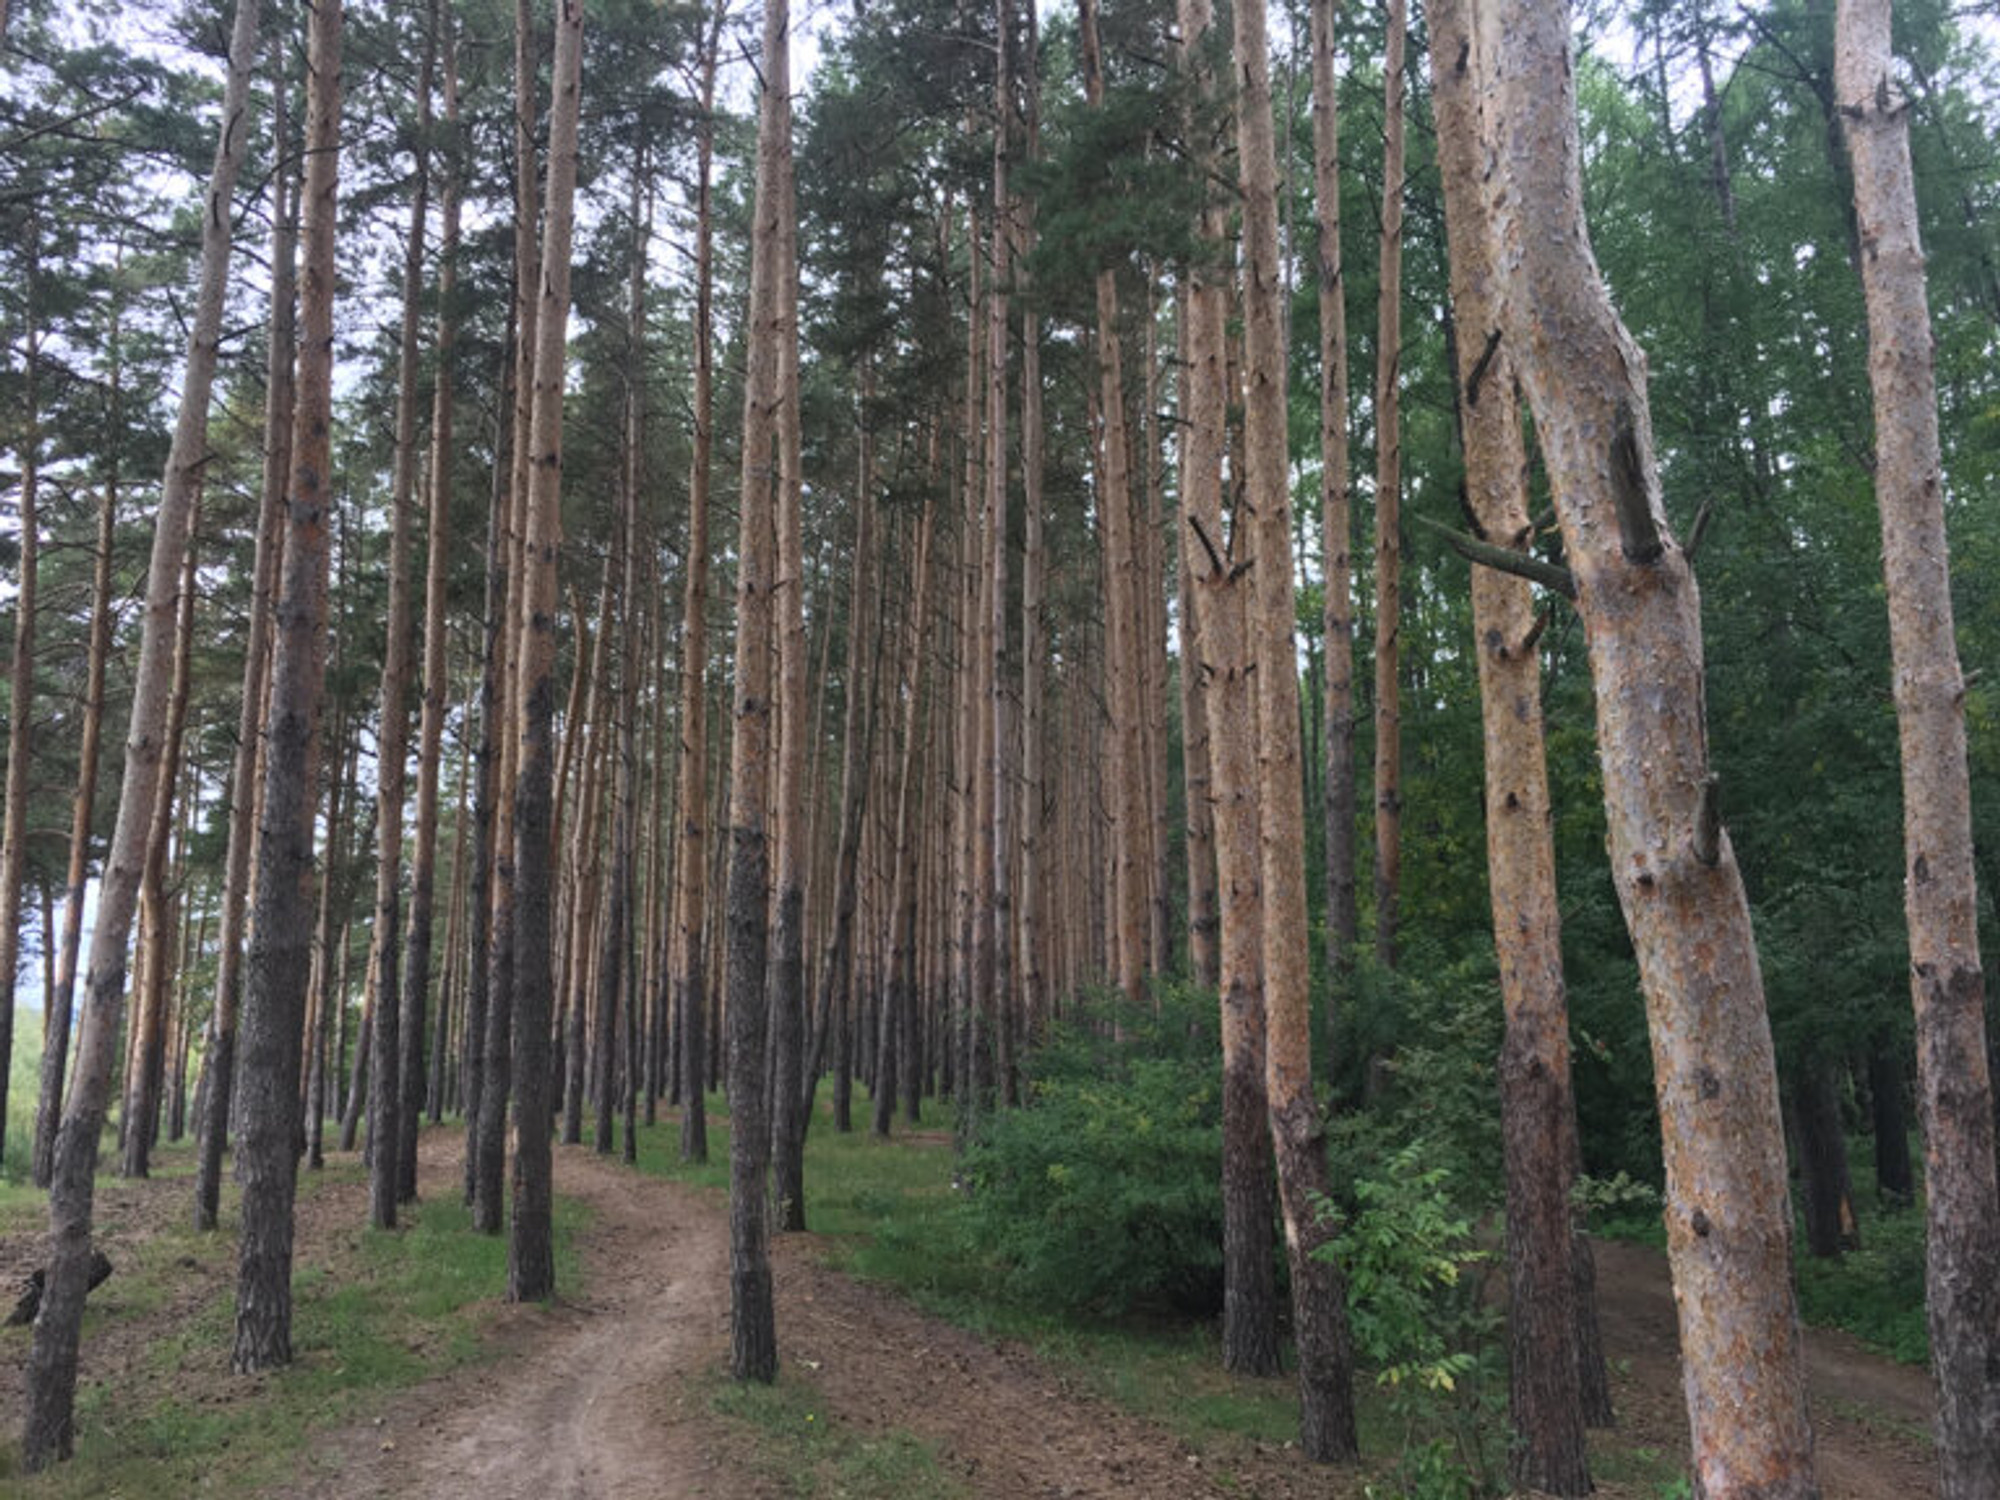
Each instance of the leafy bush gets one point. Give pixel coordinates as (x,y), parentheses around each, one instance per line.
(1104,1191)
(1420,1320)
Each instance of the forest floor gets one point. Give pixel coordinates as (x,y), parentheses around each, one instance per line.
(617,1388)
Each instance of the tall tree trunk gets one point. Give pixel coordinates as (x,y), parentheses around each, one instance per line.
(1319,1304)
(613,989)
(330,943)
(1728,1219)
(1389,505)
(998,988)
(1536,1105)
(1219,651)
(691,799)
(795,734)
(753,1352)
(1113,494)
(1335,510)
(1893,1182)
(1829,1185)
(836,970)
(385,1087)
(437,685)
(49,1431)
(219,1058)
(1034,590)
(1955,1088)
(530,1246)
(281,924)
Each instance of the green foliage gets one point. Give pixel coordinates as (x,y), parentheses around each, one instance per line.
(1420,1321)
(1104,1191)
(1876,1292)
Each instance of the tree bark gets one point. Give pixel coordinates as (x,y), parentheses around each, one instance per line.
(1545,1408)
(1113,498)
(219,1058)
(1221,654)
(49,1431)
(55,1038)
(1728,1219)
(1388,507)
(530,1244)
(1947,984)
(1319,1295)
(1893,1180)
(150,995)
(281,924)
(753,1352)
(20,708)
(436,682)
(1337,785)
(385,1083)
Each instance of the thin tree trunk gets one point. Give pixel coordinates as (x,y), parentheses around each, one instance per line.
(1388,507)
(1034,589)
(20,705)
(281,925)
(530,1247)
(1893,1182)
(49,1430)
(436,683)
(385,1086)
(998,979)
(1319,1306)
(1829,1185)
(1947,985)
(1536,1105)
(1121,674)
(1728,1219)
(55,1037)
(1336,511)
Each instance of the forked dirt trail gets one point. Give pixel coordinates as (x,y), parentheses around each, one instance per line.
(610,1395)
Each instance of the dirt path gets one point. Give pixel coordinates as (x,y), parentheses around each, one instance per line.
(612,1395)
(1871,1416)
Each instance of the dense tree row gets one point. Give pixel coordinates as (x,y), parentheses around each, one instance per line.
(625,566)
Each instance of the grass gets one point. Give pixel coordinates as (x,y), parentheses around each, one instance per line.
(372,1313)
(792,1441)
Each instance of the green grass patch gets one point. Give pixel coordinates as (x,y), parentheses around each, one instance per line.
(793,1442)
(373,1312)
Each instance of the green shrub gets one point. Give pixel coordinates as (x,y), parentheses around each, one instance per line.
(1421,1322)
(1103,1193)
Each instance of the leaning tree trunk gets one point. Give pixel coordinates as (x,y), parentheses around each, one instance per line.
(530,1245)
(1343,919)
(149,1023)
(281,924)
(753,1351)
(1389,507)
(392,734)
(1544,1404)
(1955,1089)
(49,1431)
(219,1063)
(1728,1217)
(1219,652)
(1319,1295)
